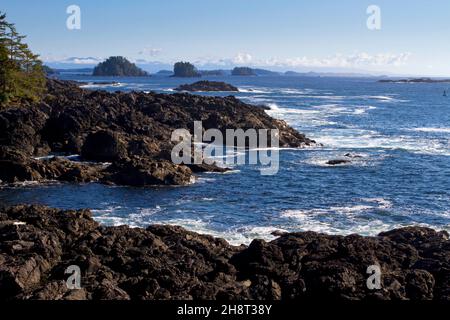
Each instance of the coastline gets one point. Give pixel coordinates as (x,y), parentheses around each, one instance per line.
(170,263)
(167,262)
(130,132)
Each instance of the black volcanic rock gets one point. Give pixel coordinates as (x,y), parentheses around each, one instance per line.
(207,86)
(131,130)
(104,146)
(37,244)
(415,80)
(140,172)
(337,162)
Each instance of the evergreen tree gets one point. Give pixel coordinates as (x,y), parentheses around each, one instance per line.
(22,78)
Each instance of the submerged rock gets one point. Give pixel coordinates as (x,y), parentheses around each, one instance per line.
(337,162)
(37,244)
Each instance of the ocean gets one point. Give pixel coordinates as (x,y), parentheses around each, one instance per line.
(397,134)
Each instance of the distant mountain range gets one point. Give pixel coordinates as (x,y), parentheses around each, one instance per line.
(226,72)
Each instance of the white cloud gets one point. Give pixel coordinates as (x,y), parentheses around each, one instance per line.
(150,52)
(242,58)
(73,60)
(355,60)
(89,60)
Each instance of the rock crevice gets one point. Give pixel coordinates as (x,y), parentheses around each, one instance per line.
(38,244)
(130,130)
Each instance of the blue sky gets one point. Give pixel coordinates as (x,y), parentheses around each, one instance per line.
(276,34)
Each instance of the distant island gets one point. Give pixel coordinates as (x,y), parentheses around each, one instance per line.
(49,71)
(164,73)
(207,86)
(185,70)
(213,72)
(118,67)
(243,71)
(415,80)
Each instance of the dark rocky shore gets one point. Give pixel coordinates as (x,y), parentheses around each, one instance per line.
(207,86)
(415,80)
(165,262)
(123,138)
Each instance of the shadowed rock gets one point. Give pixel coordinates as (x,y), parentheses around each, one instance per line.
(337,162)
(207,86)
(130,130)
(37,244)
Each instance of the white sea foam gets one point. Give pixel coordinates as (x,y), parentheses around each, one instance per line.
(353,138)
(203,179)
(382,98)
(234,235)
(72,157)
(93,85)
(232,172)
(433,130)
(348,137)
(299,92)
(381,202)
(117,216)
(254,90)
(322,160)
(343,219)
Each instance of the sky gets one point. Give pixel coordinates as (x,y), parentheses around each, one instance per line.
(299,35)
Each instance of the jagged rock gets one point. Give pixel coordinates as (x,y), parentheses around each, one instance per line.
(104,146)
(142,172)
(337,162)
(37,244)
(207,86)
(117,127)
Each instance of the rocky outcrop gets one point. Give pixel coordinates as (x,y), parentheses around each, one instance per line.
(415,80)
(104,145)
(207,86)
(38,244)
(336,162)
(131,131)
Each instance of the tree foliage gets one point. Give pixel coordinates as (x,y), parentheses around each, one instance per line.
(243,71)
(185,70)
(22,78)
(118,67)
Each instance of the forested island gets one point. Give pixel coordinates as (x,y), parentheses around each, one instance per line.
(243,71)
(118,67)
(185,70)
